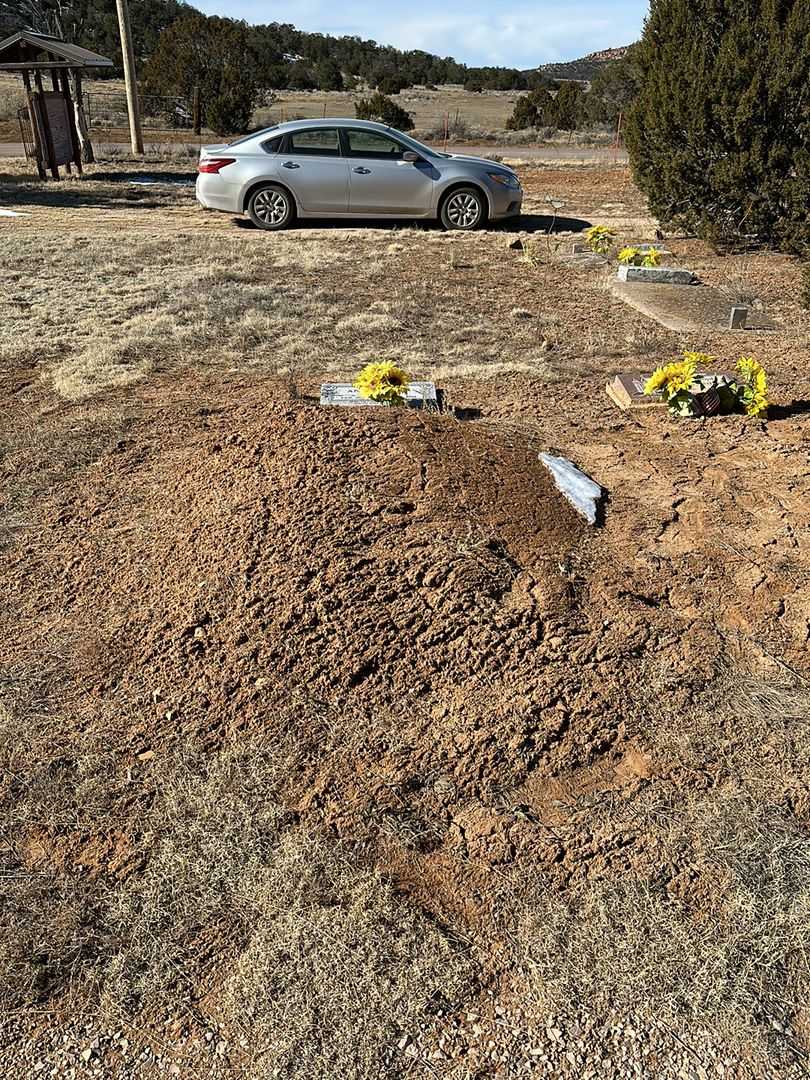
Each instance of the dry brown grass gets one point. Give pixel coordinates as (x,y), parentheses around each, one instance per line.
(734,968)
(11,99)
(313,301)
(325,968)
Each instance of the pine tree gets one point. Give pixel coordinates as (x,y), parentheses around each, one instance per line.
(384,110)
(719,135)
(569,106)
(213,54)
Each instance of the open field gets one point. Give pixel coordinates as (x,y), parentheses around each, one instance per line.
(467,117)
(334,744)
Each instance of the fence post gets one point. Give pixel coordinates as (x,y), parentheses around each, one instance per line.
(195,110)
(446,129)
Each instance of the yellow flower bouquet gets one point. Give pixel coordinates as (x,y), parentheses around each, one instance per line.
(383,382)
(689,391)
(631,256)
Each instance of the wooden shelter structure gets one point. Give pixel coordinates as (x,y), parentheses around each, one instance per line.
(56,131)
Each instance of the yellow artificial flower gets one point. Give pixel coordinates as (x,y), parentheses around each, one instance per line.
(598,238)
(628,255)
(755,393)
(383,382)
(681,376)
(656,381)
(652,257)
(673,378)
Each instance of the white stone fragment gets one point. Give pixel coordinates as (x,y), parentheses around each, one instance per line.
(582,492)
(13,213)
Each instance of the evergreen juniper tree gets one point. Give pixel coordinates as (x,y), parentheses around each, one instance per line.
(719,135)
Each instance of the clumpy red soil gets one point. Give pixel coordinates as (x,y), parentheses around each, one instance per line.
(401,603)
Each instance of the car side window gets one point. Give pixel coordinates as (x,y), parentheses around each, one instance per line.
(272,146)
(370,144)
(321,141)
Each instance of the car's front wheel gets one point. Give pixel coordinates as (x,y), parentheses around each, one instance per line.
(271,207)
(464,208)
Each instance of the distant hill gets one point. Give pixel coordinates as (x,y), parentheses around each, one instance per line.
(586,67)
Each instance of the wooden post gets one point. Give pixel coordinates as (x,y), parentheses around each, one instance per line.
(88,157)
(45,126)
(74,132)
(135,133)
(32,118)
(196,118)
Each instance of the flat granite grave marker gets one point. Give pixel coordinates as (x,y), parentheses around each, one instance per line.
(657,275)
(627,391)
(421,395)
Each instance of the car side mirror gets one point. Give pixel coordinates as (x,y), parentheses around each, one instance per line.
(410,155)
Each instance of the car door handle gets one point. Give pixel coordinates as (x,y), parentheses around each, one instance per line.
(290,165)
(362,171)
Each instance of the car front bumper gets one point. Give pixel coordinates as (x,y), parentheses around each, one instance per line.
(504,202)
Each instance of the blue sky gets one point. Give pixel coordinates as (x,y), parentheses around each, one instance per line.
(520,33)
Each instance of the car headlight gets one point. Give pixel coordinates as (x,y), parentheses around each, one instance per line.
(506,180)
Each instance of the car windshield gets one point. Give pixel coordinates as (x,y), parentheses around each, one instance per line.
(419,147)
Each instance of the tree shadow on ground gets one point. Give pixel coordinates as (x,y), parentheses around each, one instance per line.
(787,412)
(129,189)
(175,179)
(546,223)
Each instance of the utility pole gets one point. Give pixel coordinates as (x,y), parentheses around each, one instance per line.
(136,136)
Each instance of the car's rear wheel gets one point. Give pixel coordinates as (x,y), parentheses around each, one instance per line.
(271,207)
(464,208)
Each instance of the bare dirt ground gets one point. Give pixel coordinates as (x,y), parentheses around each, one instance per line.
(335,744)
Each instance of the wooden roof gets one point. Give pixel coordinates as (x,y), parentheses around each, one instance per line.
(26,50)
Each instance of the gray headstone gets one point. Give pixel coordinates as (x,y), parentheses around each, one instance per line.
(421,395)
(656,275)
(738,318)
(645,247)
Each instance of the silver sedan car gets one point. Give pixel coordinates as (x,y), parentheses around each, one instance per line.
(351,168)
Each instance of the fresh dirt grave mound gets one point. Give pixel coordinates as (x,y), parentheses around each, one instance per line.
(293,561)
(396,600)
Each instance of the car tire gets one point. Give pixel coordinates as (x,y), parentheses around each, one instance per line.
(464,208)
(271,207)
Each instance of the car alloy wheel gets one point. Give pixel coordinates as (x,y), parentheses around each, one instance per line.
(270,208)
(462,210)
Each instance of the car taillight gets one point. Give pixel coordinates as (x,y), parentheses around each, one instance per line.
(213,165)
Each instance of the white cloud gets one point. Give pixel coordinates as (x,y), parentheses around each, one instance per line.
(524,35)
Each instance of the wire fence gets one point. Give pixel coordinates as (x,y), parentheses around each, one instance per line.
(106,112)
